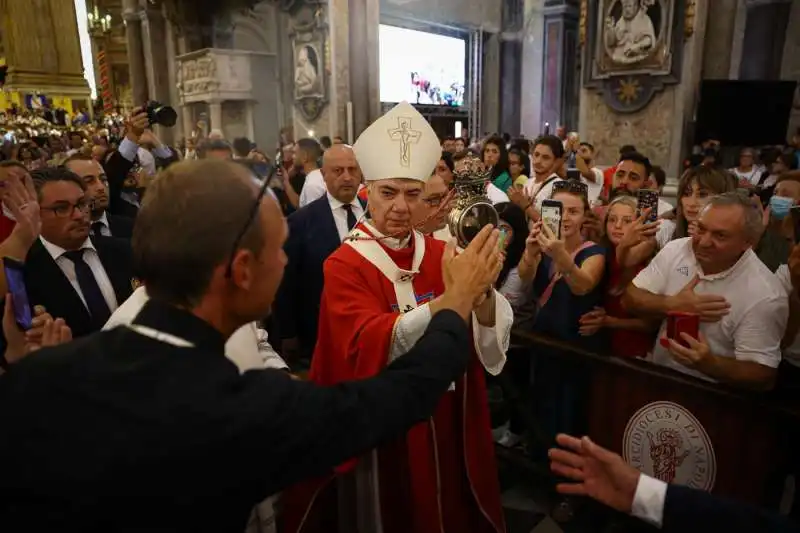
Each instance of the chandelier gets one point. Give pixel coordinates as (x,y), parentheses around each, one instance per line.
(99,23)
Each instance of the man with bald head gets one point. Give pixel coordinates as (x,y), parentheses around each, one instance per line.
(152,417)
(315,232)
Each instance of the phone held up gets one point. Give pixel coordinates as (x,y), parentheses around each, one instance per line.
(795,212)
(15,279)
(647,198)
(551,215)
(678,323)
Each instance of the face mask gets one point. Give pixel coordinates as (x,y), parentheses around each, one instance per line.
(779,206)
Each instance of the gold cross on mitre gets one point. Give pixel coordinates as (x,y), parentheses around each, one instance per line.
(407,136)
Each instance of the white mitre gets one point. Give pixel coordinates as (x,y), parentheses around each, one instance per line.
(400,144)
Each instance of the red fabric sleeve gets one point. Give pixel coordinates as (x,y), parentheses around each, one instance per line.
(355,331)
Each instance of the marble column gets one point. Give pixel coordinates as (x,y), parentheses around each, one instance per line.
(154,38)
(510,83)
(764,38)
(561,76)
(131,13)
(215,115)
(363,23)
(718,44)
(250,125)
(187,120)
(531,122)
(790,70)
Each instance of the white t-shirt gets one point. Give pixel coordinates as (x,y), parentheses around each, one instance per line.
(495,194)
(752,176)
(537,194)
(313,188)
(751,331)
(596,187)
(664,233)
(664,207)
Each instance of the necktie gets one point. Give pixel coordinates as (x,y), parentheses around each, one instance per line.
(95,301)
(351,217)
(97,229)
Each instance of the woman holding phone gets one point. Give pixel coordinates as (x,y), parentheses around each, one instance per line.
(566,272)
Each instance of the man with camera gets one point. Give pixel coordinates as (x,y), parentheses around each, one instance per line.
(136,160)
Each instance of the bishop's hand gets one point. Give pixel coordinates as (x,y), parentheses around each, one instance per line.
(469,274)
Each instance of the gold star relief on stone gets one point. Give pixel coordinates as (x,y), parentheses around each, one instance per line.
(628,90)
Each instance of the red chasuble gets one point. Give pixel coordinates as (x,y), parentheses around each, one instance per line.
(451,454)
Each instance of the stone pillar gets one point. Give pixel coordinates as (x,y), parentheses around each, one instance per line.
(531,122)
(131,13)
(490,86)
(510,83)
(764,38)
(560,77)
(154,45)
(42,47)
(790,70)
(718,45)
(363,23)
(249,120)
(187,119)
(215,116)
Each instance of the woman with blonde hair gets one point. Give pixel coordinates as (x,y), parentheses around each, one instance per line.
(628,336)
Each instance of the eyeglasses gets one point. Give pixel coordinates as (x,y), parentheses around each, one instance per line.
(434,201)
(64,210)
(250,217)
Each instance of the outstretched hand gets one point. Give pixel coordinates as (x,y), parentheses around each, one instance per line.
(596,472)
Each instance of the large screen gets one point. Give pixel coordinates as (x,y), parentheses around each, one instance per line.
(421,68)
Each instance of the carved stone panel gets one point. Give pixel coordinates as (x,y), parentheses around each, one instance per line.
(633,49)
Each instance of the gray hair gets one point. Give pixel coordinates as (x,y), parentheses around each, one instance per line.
(752,223)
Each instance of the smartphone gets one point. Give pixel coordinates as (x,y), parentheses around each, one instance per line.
(795,211)
(551,215)
(15,279)
(678,323)
(573,174)
(647,198)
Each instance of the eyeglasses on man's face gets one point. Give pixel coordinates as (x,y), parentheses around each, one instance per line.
(65,209)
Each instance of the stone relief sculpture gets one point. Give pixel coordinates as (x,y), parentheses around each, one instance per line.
(309,34)
(631,36)
(306,72)
(632,49)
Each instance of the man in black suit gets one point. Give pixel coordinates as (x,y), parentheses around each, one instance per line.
(604,476)
(124,165)
(315,231)
(94,178)
(75,277)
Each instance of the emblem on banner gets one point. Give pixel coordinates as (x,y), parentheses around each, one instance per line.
(664,440)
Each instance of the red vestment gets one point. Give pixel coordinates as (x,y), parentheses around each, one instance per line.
(453,450)
(6,227)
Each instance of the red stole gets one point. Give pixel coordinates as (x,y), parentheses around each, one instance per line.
(6,227)
(452,451)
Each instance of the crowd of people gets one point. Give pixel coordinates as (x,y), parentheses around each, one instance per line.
(348,326)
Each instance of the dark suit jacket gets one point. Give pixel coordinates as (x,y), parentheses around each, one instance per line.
(48,286)
(687,510)
(117,168)
(121,227)
(312,238)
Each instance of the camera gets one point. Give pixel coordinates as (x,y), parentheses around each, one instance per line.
(161,114)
